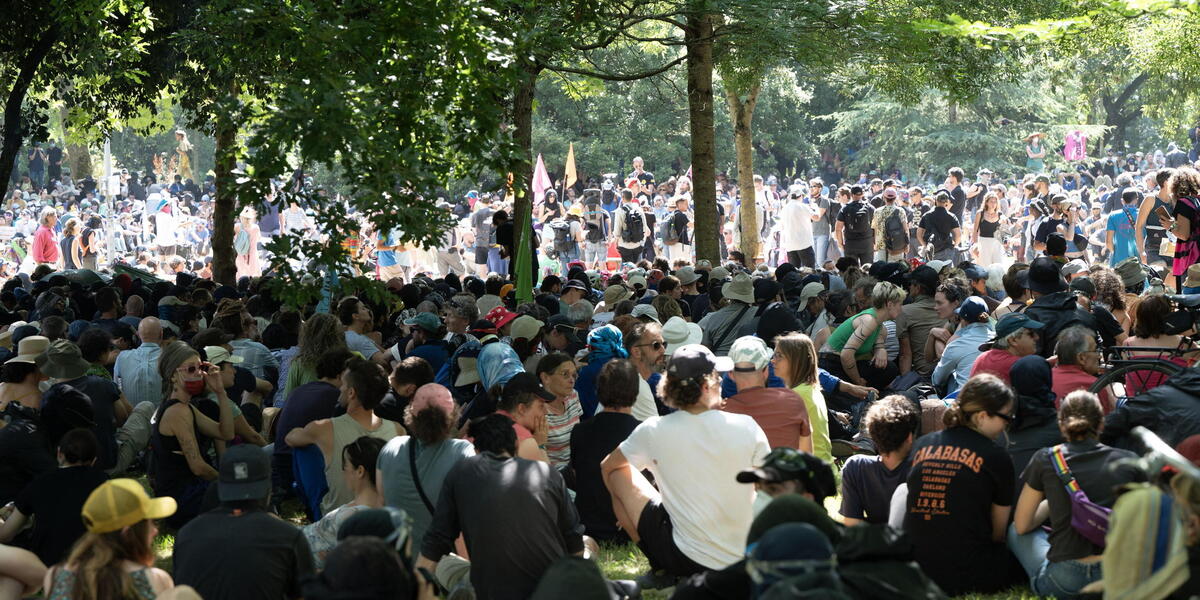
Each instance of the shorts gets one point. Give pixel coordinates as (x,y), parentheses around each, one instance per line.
(481,255)
(658,542)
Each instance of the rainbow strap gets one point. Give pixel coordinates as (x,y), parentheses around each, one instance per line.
(1060,465)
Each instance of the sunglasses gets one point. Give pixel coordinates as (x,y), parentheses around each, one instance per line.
(1008,419)
(655,345)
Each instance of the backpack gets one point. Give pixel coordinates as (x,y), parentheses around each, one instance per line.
(895,235)
(241,243)
(670,234)
(562,236)
(635,227)
(858,219)
(597,225)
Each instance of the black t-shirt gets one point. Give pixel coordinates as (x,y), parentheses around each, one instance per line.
(851,213)
(591,441)
(392,407)
(103,394)
(939,226)
(24,452)
(516,517)
(1097,470)
(307,403)
(1047,227)
(956,477)
(679,222)
(958,201)
(55,500)
(251,555)
(243,381)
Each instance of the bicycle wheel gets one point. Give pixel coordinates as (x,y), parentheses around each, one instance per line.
(1129,380)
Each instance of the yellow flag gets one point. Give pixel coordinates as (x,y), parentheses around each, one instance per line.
(570,169)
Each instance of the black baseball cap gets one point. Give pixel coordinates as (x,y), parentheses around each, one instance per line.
(245,474)
(696,360)
(563,324)
(525,383)
(573,284)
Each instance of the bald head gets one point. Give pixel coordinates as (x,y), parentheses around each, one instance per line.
(150,330)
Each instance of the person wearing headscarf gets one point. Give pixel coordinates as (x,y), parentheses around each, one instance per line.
(604,344)
(1036,423)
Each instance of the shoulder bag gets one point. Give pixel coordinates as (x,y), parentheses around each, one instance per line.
(412,468)
(1088,519)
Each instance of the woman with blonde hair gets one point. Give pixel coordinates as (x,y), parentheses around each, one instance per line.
(985,235)
(856,350)
(69,245)
(114,560)
(1184,186)
(183,151)
(321,333)
(795,362)
(245,244)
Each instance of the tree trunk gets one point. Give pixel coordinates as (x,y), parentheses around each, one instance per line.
(698,39)
(523,201)
(742,113)
(14,133)
(225,203)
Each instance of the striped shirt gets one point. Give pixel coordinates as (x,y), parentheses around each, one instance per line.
(558,442)
(136,373)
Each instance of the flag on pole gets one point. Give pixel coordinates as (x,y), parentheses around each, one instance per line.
(541,181)
(570,175)
(689,173)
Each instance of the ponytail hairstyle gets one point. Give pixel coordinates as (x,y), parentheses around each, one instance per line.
(982,393)
(1080,416)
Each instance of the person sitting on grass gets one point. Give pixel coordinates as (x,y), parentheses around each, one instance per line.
(694,455)
(358,468)
(56,497)
(868,482)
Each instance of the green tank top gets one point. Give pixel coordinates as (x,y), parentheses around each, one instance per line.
(839,337)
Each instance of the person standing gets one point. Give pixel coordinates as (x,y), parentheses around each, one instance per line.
(1035,154)
(853,229)
(796,231)
(891,235)
(940,229)
(481,222)
(245,244)
(54,159)
(449,256)
(45,247)
(822,219)
(677,240)
(985,236)
(631,228)
(1118,231)
(37,167)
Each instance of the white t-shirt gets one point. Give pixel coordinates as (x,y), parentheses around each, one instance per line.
(796,232)
(644,407)
(695,460)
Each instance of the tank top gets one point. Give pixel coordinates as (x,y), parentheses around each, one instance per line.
(839,337)
(65,245)
(988,228)
(345,431)
(63,583)
(171,471)
(1152,220)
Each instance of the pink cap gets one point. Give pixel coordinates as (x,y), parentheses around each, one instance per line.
(435,395)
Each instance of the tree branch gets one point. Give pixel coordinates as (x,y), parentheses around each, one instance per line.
(16,97)
(617,76)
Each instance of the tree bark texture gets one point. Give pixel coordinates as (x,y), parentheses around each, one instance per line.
(523,201)
(14,133)
(698,39)
(742,112)
(225,203)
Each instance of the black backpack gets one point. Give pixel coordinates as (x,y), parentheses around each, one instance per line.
(635,228)
(858,219)
(562,236)
(895,235)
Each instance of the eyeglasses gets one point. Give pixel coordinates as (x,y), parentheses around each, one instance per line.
(655,345)
(191,370)
(1008,419)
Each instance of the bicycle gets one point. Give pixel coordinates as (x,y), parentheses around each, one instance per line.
(1129,371)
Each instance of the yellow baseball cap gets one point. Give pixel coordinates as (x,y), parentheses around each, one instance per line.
(119,503)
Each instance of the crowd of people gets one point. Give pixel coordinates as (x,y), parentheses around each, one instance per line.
(899,391)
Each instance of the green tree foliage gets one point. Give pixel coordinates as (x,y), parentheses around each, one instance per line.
(103,59)
(397,98)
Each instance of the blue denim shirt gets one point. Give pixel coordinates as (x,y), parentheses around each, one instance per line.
(960,355)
